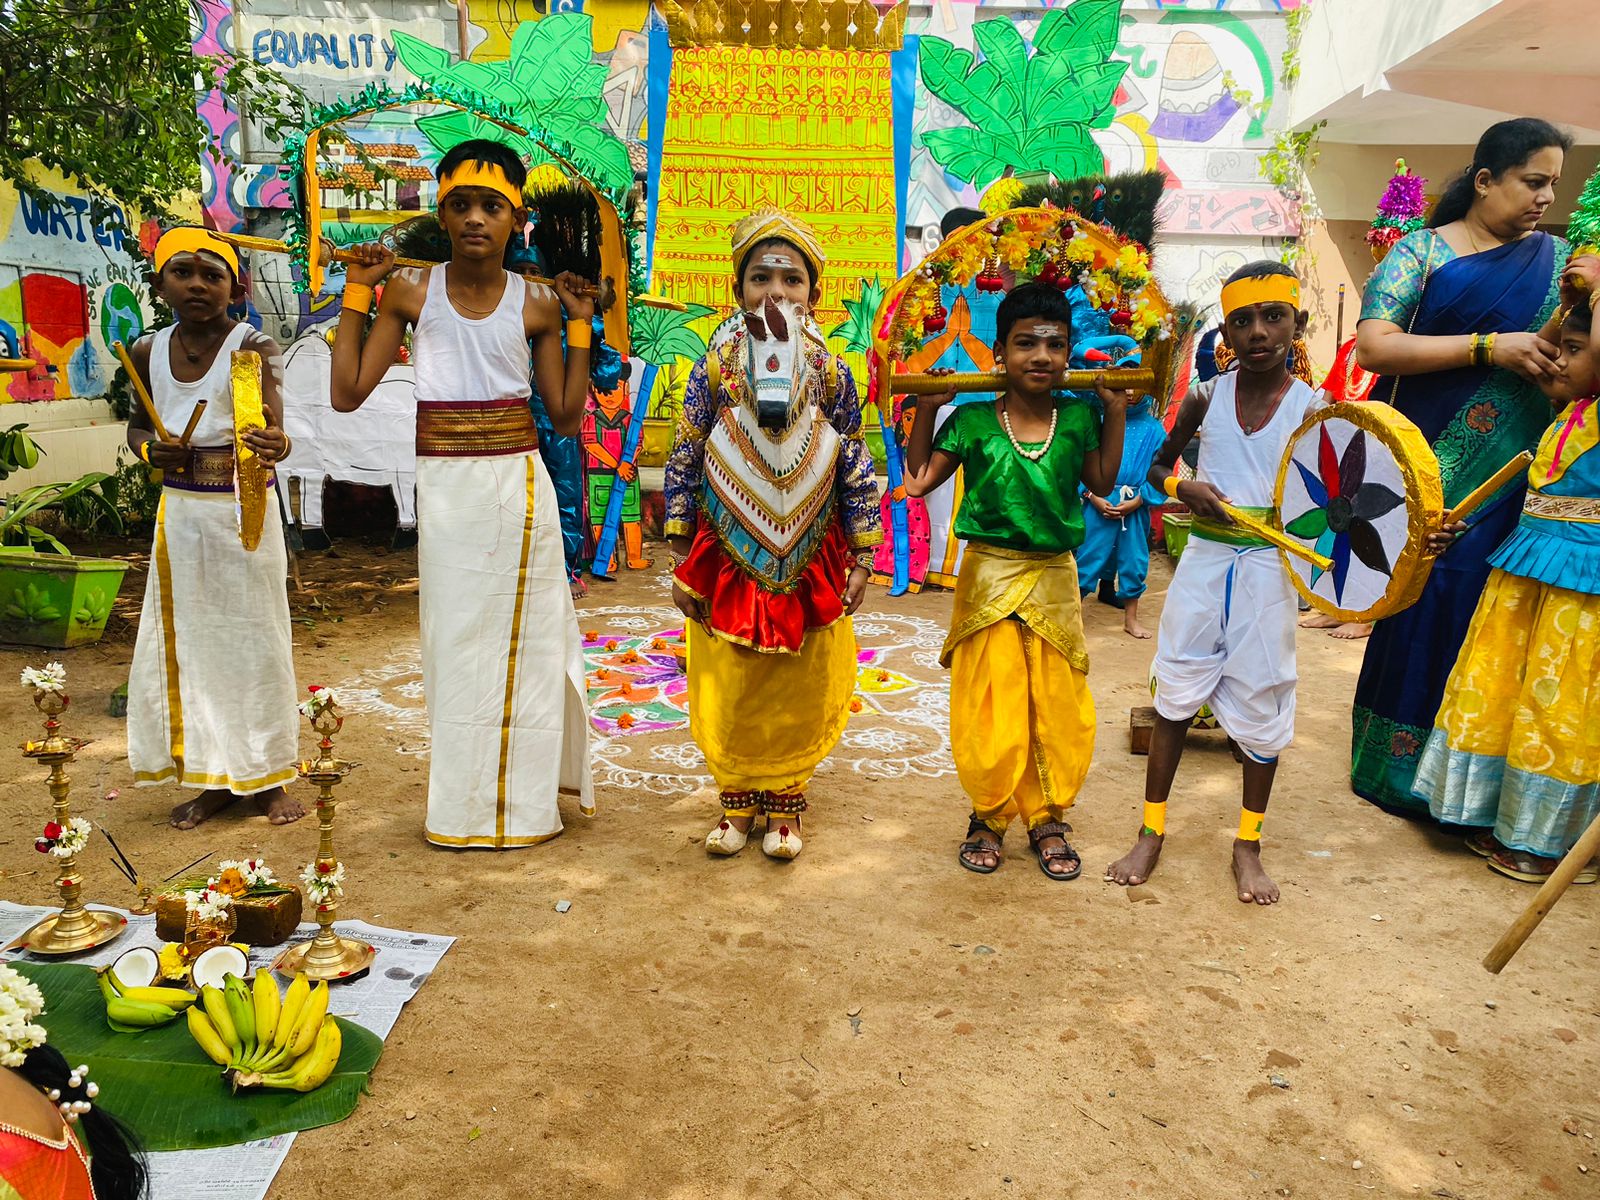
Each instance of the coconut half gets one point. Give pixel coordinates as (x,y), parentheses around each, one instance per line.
(139,967)
(212,966)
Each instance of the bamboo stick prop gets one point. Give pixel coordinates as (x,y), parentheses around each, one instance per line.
(140,391)
(194,420)
(1140,379)
(1489,487)
(1261,530)
(603,293)
(1550,891)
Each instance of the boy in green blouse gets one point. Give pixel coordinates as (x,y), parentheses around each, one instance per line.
(1021,717)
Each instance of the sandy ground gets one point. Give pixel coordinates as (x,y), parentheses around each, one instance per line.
(871,1020)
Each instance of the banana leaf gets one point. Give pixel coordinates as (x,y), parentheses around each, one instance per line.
(164,1087)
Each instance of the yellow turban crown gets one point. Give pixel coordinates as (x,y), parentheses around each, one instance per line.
(768,223)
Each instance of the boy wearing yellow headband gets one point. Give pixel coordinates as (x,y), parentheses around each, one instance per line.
(771,512)
(211,695)
(1227,629)
(502,663)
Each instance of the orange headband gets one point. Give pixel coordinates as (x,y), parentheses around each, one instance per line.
(1261,289)
(471,174)
(187,239)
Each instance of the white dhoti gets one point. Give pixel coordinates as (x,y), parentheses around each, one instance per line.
(211,696)
(1227,640)
(502,661)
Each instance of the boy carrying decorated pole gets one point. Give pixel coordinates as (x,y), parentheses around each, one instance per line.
(1021,716)
(502,662)
(211,696)
(772,513)
(1227,629)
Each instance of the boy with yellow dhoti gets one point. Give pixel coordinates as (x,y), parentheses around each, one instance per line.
(772,512)
(1021,716)
(211,703)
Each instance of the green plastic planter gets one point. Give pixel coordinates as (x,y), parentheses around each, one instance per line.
(1175,531)
(56,600)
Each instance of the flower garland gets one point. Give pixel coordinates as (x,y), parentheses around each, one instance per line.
(20,1002)
(52,677)
(236,877)
(323,881)
(208,903)
(320,700)
(64,841)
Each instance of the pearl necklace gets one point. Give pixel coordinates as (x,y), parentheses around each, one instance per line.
(1044,447)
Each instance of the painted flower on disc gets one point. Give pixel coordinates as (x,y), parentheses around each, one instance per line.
(52,677)
(1346,507)
(20,1002)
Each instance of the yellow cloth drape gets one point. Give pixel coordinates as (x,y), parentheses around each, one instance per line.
(1042,589)
(764,721)
(1021,716)
(1021,725)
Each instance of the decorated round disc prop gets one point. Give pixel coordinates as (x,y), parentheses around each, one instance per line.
(1359,484)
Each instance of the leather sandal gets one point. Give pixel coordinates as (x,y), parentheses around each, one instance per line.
(975,844)
(1061,853)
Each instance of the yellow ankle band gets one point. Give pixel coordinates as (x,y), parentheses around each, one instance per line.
(1155,818)
(1250,825)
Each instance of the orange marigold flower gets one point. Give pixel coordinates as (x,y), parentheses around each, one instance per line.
(232,882)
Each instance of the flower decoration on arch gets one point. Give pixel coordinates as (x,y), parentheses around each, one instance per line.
(1346,506)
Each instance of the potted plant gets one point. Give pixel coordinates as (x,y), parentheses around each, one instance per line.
(48,595)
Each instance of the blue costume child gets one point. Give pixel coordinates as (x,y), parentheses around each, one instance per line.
(1116,547)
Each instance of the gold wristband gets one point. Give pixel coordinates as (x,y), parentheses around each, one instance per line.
(1169,485)
(358,296)
(1488,350)
(580,335)
(144,451)
(1472,349)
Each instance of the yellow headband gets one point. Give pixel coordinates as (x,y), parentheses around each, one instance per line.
(765,224)
(187,239)
(471,174)
(1261,289)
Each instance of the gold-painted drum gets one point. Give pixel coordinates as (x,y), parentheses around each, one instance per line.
(1360,485)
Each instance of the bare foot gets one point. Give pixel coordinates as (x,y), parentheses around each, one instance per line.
(578,587)
(981,860)
(1255,885)
(202,808)
(1317,620)
(1138,864)
(279,807)
(1131,627)
(1352,631)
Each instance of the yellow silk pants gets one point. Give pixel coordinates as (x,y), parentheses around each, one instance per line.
(764,721)
(1021,725)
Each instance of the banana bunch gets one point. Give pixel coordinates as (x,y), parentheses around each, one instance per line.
(265,1041)
(131,1009)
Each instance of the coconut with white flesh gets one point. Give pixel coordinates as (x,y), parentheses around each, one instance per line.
(139,967)
(212,967)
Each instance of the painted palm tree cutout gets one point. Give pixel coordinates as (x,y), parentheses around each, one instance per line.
(1346,507)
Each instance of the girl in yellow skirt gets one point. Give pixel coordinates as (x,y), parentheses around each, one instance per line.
(1021,717)
(1515,749)
(772,513)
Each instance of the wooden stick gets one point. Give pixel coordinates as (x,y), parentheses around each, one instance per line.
(194,420)
(1281,540)
(1489,487)
(139,390)
(1141,379)
(1522,928)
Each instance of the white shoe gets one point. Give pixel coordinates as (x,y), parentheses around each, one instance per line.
(782,840)
(726,839)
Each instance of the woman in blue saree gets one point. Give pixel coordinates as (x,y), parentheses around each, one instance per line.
(1482,267)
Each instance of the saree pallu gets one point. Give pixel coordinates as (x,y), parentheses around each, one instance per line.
(1477,420)
(502,663)
(211,695)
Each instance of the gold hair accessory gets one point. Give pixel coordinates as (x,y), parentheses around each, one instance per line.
(768,223)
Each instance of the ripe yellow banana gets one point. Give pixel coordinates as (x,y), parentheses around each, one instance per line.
(172,997)
(313,1069)
(294,1001)
(206,1037)
(217,1010)
(264,993)
(310,1021)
